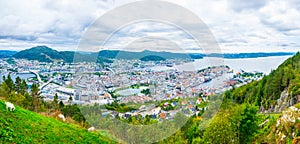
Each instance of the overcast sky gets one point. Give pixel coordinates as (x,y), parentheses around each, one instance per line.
(237,25)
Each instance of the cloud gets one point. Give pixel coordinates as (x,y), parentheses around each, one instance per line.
(18,37)
(281,16)
(237,25)
(151,35)
(48,22)
(240,5)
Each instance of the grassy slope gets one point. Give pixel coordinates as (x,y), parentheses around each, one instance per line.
(23,126)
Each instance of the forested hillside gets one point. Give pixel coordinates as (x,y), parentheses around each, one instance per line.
(284,81)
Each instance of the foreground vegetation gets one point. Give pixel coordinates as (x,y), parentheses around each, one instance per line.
(23,126)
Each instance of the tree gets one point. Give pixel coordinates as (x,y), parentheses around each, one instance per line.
(4,90)
(18,83)
(16,98)
(197,140)
(70,99)
(61,105)
(74,112)
(146,91)
(246,123)
(220,130)
(10,83)
(193,131)
(27,103)
(55,101)
(35,97)
(23,87)
(178,138)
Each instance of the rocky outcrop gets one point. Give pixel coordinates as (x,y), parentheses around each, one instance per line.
(282,103)
(287,126)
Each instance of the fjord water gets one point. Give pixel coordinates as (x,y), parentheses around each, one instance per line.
(261,64)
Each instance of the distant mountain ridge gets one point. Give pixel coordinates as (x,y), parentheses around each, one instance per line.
(249,55)
(46,54)
(118,54)
(6,53)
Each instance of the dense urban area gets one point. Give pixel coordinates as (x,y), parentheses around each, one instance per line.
(155,88)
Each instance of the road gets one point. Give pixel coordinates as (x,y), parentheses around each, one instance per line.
(40,80)
(37,75)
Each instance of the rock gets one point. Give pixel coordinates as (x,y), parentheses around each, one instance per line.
(261,109)
(282,137)
(278,123)
(282,103)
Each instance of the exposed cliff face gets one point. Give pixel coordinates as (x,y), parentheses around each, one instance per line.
(285,101)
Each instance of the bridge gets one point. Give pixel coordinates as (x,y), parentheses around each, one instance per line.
(37,75)
(45,84)
(42,84)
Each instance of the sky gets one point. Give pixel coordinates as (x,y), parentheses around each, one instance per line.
(236,25)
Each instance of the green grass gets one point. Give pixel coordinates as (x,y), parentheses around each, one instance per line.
(23,126)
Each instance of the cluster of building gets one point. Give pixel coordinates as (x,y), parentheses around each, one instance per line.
(186,107)
(126,81)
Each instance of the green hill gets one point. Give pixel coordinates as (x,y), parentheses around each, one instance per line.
(152,58)
(23,126)
(40,53)
(46,54)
